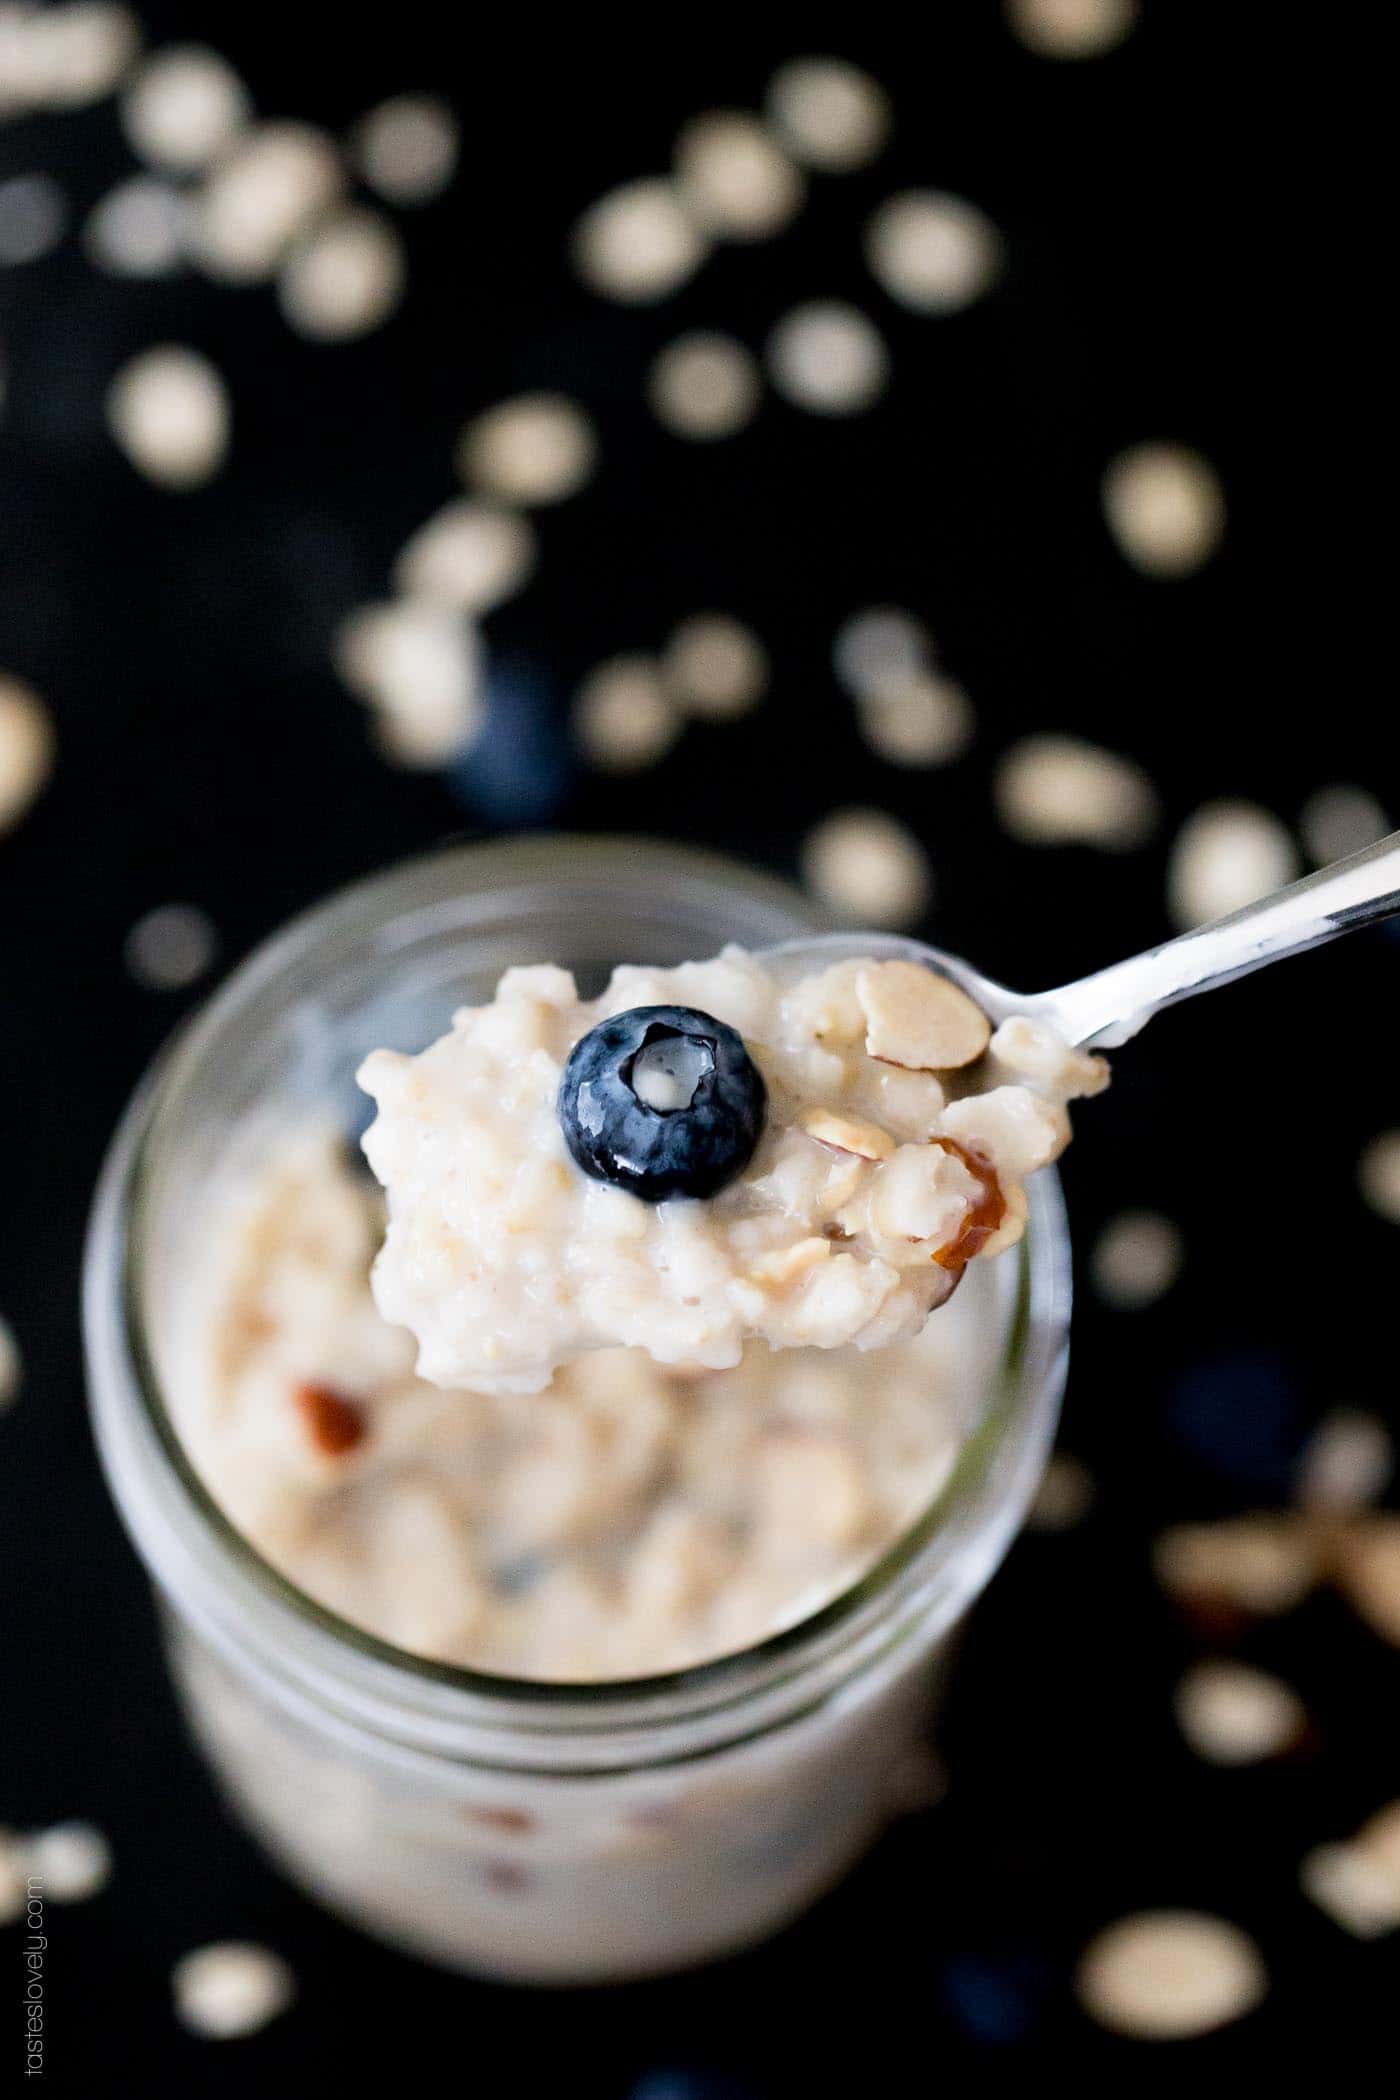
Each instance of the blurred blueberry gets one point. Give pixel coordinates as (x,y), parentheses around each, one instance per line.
(1239,1415)
(994,2000)
(673,2084)
(519,770)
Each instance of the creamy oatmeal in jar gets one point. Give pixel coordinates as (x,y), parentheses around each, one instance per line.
(406,1623)
(630,1520)
(554,1188)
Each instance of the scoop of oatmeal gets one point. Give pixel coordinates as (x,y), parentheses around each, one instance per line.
(897,1135)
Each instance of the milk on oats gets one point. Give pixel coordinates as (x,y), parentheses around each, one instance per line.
(900,1131)
(631,1519)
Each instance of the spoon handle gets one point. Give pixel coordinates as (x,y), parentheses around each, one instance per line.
(1111,1006)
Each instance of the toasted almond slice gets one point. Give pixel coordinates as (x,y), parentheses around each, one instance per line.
(919,1020)
(865,1140)
(787,1263)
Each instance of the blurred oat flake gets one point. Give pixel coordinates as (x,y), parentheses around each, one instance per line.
(184,106)
(868,867)
(260,196)
(1368,1572)
(1227,855)
(735,178)
(417,666)
(908,712)
(715,666)
(1379,1170)
(638,243)
(139,229)
(26,749)
(231,1988)
(1165,508)
(1136,1259)
(61,58)
(1338,821)
(14,1879)
(171,947)
(1262,1563)
(72,1861)
(1058,790)
(33,218)
(1357,1883)
(878,647)
(828,358)
(11,1365)
(830,115)
(344,277)
(469,555)
(169,411)
(406,148)
(624,716)
(533,449)
(1345,1465)
(704,386)
(1233,1714)
(1071,28)
(1164,1975)
(933,253)
(921,719)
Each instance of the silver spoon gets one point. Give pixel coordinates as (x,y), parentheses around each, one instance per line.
(1111,1006)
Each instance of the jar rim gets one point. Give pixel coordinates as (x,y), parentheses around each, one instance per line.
(1033,1309)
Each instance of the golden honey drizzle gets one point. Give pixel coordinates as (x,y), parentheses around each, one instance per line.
(985,1215)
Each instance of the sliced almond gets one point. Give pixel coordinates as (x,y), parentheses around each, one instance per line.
(843,1134)
(919,1020)
(786,1263)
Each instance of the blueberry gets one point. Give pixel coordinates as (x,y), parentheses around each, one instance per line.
(518,768)
(662,1101)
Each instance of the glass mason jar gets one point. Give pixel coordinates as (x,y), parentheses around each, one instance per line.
(528,1830)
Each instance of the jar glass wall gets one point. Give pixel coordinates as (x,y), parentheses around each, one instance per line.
(531,1830)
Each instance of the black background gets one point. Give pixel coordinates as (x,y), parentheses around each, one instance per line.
(1187,259)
